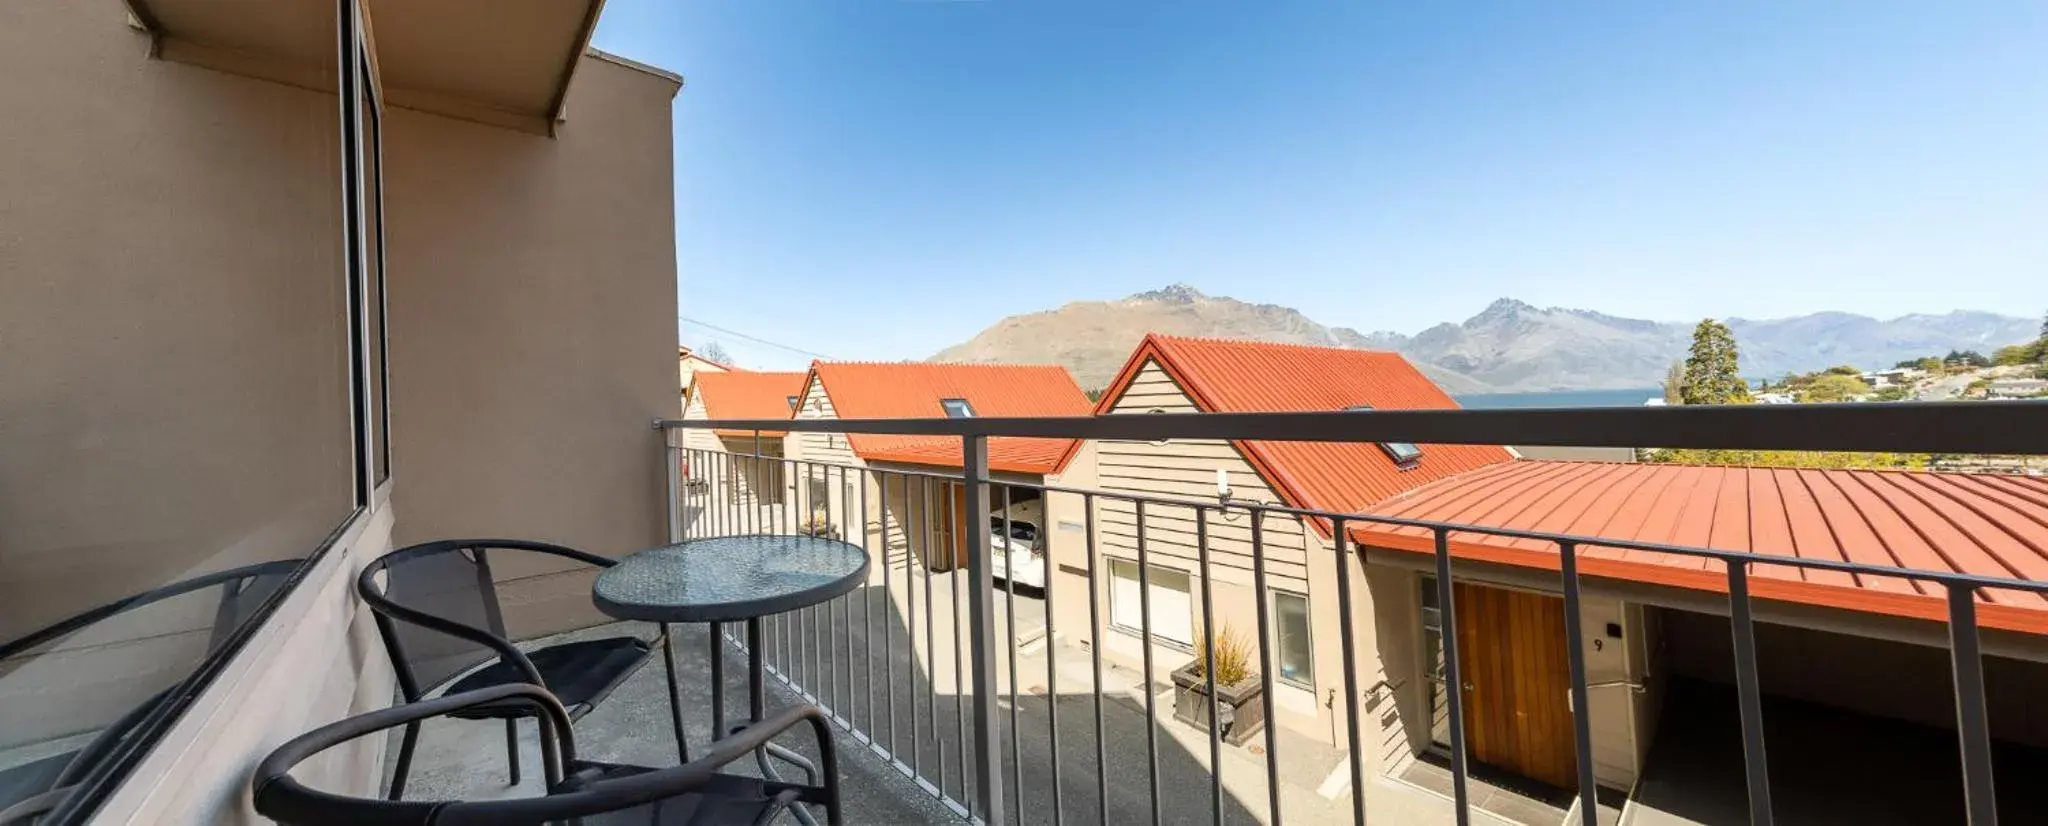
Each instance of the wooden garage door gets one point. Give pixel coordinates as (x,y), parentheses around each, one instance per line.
(1511,650)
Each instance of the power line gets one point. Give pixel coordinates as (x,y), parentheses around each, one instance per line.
(737,334)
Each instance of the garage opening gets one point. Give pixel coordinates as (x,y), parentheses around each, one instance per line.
(1857,730)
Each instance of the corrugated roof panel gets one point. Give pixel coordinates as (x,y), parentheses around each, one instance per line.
(907,390)
(1976,524)
(747,395)
(1855,531)
(1230,376)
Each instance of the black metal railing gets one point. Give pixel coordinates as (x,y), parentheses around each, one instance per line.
(961,757)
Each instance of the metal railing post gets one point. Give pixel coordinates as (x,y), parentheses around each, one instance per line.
(988,792)
(1973,729)
(671,456)
(1582,712)
(1454,676)
(1749,692)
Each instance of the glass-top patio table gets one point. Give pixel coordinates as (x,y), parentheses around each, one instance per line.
(731,579)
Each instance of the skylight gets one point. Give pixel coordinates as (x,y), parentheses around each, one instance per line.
(1403,453)
(957,408)
(792,403)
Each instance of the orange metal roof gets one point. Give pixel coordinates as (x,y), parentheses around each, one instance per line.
(747,395)
(1982,524)
(1230,376)
(901,390)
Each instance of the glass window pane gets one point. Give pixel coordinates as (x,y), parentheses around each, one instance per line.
(1173,615)
(175,414)
(1123,594)
(1295,653)
(1172,607)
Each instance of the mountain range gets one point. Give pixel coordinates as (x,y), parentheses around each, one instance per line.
(1510,346)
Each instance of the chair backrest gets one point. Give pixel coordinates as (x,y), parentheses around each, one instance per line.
(448,581)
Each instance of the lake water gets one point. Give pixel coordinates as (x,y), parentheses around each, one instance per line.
(1560,398)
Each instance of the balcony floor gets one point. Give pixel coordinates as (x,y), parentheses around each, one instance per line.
(463,759)
(466,759)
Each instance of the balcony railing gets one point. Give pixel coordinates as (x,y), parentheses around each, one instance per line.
(929,678)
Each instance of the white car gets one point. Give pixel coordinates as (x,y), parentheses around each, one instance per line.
(1019,557)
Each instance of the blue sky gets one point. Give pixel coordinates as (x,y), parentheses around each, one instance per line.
(877,179)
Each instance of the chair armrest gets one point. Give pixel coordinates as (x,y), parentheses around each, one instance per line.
(280,797)
(640,789)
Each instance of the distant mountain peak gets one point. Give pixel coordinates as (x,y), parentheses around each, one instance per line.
(1175,293)
(1502,309)
(1510,345)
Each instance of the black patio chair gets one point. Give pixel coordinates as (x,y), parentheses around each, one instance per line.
(437,609)
(31,789)
(578,791)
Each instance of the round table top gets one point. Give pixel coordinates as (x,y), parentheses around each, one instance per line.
(728,579)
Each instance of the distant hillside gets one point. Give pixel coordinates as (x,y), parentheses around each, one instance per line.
(1509,346)
(1092,338)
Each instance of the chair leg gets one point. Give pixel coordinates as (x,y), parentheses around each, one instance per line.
(512,746)
(675,702)
(404,766)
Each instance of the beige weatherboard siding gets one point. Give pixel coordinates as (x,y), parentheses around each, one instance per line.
(1186,469)
(1386,632)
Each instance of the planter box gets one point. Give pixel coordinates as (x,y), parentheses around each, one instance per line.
(1238,705)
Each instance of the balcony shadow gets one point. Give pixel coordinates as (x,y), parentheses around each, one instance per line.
(876,659)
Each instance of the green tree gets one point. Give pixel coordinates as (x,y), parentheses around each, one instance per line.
(1712,370)
(1674,383)
(1788,458)
(1834,387)
(1929,364)
(1843,370)
(1967,358)
(2014,354)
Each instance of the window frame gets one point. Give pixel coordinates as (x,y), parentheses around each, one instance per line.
(1308,632)
(1404,454)
(374,239)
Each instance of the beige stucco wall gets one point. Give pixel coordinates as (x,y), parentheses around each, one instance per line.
(173,385)
(532,331)
(175,397)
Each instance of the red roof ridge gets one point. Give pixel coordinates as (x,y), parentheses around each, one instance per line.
(1266,343)
(948,364)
